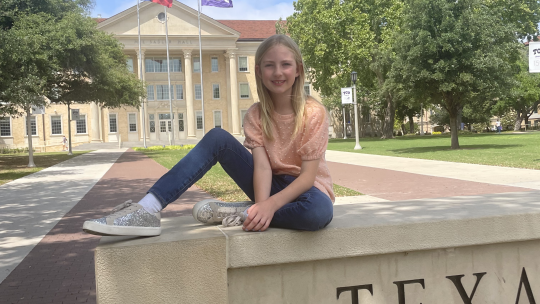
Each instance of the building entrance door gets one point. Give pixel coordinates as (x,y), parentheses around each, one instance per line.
(164,130)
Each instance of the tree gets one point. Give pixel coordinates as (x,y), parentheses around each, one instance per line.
(524,97)
(339,36)
(454,53)
(66,60)
(10,9)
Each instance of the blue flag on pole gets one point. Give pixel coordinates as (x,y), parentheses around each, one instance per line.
(217,3)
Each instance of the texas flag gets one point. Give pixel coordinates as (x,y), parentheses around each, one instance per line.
(167,3)
(218,3)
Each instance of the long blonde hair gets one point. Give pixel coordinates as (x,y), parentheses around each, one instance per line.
(298,97)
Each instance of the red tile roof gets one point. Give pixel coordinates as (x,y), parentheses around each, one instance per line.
(252,29)
(249,29)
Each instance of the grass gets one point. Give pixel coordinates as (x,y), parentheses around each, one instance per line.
(14,166)
(216,182)
(518,150)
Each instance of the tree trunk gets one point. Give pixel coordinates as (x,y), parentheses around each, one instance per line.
(29,131)
(411,124)
(403,130)
(388,131)
(454,130)
(519,119)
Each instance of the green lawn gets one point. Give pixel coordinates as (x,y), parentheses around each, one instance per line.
(14,166)
(216,181)
(519,150)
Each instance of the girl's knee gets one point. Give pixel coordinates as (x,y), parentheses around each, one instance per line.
(320,217)
(216,134)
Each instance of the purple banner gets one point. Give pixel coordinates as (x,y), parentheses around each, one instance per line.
(218,3)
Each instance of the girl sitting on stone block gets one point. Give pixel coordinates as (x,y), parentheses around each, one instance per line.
(285,175)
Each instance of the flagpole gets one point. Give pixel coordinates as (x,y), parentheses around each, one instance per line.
(200,65)
(171,138)
(141,73)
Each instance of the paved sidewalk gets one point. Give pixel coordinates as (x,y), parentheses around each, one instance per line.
(31,206)
(60,268)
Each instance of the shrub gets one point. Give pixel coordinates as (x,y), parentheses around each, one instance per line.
(436,133)
(6,150)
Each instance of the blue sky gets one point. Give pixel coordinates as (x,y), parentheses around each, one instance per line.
(242,10)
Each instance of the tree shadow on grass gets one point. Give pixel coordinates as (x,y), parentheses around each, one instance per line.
(447,148)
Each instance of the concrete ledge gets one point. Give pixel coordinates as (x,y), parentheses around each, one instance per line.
(188,260)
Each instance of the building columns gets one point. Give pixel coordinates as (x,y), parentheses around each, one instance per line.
(140,63)
(94,132)
(190,115)
(234,92)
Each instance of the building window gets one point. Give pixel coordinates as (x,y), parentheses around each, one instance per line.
(243,114)
(196,65)
(56,125)
(307,88)
(159,65)
(199,120)
(129,62)
(165,116)
(179,92)
(81,124)
(151,118)
(215,66)
(5,126)
(215,91)
(162,93)
(113,127)
(132,121)
(244,90)
(198,95)
(243,64)
(217,119)
(181,122)
(150,92)
(33,126)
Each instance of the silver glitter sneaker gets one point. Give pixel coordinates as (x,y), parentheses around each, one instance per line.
(126,219)
(212,211)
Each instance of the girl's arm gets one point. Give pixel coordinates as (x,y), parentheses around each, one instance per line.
(262,174)
(261,214)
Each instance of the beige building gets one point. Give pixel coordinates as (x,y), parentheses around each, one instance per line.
(228,65)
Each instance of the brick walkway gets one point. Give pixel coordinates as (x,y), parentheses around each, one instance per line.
(60,269)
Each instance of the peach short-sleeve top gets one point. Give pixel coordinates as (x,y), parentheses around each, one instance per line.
(285,153)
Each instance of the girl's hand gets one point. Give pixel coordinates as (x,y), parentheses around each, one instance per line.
(259,216)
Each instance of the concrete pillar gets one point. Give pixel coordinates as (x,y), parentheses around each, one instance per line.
(188,90)
(140,58)
(234,92)
(94,123)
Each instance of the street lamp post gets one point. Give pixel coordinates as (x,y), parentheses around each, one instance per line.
(353,78)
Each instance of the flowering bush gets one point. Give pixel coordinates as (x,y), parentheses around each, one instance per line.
(436,133)
(155,148)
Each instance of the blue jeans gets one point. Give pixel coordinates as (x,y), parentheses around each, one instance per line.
(313,210)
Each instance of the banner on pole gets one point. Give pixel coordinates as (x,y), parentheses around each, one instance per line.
(167,3)
(75,114)
(534,57)
(346,96)
(217,3)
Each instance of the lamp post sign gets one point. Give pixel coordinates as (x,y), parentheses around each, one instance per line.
(346,96)
(534,57)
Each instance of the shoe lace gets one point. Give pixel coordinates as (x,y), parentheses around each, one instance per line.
(122,206)
(233,220)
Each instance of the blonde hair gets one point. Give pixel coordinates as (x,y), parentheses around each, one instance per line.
(298,97)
